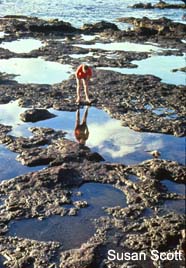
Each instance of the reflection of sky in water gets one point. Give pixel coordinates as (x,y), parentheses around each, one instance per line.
(9,113)
(2,34)
(22,45)
(123,46)
(160,66)
(10,167)
(174,187)
(72,231)
(177,206)
(76,56)
(88,37)
(107,136)
(35,70)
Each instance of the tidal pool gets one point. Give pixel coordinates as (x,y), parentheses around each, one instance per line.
(88,37)
(123,46)
(174,187)
(106,135)
(22,45)
(160,66)
(10,167)
(167,112)
(177,206)
(2,34)
(72,231)
(76,56)
(35,70)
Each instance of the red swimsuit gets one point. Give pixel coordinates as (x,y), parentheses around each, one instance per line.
(81,75)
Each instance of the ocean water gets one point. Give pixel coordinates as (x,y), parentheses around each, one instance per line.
(79,12)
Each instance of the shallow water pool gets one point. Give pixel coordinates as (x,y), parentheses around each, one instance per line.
(22,45)
(164,70)
(124,46)
(72,231)
(106,135)
(10,167)
(35,70)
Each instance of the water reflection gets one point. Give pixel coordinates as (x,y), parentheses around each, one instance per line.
(164,71)
(106,135)
(81,131)
(10,167)
(22,45)
(174,187)
(123,46)
(2,34)
(69,230)
(35,70)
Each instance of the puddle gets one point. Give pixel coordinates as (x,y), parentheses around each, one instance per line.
(164,71)
(9,113)
(10,167)
(2,260)
(168,113)
(133,178)
(72,231)
(174,187)
(106,135)
(76,56)
(35,70)
(87,37)
(2,34)
(177,206)
(147,213)
(124,46)
(22,45)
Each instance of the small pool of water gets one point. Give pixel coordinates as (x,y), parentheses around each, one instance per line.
(106,135)
(72,231)
(2,34)
(167,112)
(22,45)
(77,56)
(174,187)
(133,178)
(88,37)
(35,70)
(2,260)
(10,167)
(9,113)
(164,70)
(123,46)
(177,206)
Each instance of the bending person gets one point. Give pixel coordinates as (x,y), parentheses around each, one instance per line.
(81,130)
(83,75)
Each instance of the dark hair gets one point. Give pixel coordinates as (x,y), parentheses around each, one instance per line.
(86,67)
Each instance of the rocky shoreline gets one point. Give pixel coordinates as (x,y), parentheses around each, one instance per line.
(142,225)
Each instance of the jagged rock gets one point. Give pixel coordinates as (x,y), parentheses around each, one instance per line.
(99,27)
(35,115)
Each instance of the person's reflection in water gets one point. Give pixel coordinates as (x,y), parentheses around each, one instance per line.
(81,130)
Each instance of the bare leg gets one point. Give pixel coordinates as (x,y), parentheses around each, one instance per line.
(85,115)
(85,84)
(79,83)
(77,119)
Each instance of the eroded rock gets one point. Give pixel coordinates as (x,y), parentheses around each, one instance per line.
(35,115)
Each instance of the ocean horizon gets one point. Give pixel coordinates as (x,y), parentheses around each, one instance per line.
(78,12)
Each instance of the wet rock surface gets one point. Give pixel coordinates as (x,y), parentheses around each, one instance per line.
(161,5)
(44,193)
(160,30)
(144,223)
